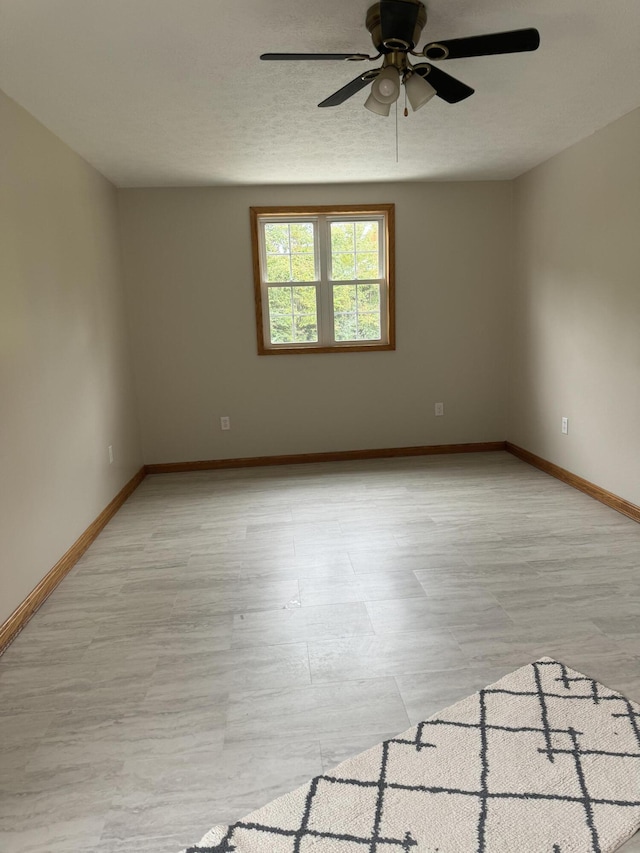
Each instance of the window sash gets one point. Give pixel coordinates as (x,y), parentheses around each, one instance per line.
(382,313)
(324,284)
(381,241)
(267,314)
(264,221)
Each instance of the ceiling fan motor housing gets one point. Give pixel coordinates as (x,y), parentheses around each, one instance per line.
(387,43)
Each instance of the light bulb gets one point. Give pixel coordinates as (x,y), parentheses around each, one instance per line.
(386,86)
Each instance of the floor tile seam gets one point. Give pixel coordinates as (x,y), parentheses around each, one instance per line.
(598,602)
(105,839)
(272,610)
(444,616)
(236,695)
(521,622)
(369,600)
(287,642)
(311,682)
(410,672)
(169,658)
(402,699)
(458,645)
(486,591)
(34,702)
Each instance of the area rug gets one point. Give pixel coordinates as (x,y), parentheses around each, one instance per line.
(546,760)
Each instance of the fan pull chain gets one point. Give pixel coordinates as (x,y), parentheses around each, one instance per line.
(406,111)
(397,154)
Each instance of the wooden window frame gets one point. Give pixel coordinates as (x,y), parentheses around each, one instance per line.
(387,313)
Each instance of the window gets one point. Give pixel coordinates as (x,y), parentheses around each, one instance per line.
(324,278)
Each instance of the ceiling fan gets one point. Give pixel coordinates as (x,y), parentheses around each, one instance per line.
(396,27)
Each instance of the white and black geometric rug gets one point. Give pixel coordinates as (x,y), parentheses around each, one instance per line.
(543,761)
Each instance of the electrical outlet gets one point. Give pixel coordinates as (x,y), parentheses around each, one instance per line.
(439,410)
(110,451)
(225,423)
(565,426)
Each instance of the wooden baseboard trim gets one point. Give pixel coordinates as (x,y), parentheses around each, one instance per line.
(614,501)
(331,456)
(21,615)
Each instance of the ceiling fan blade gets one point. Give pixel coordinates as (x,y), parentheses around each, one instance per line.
(447,87)
(398,19)
(347,91)
(314,56)
(514,41)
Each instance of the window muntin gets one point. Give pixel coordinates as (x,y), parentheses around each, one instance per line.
(289,250)
(356,312)
(293,314)
(355,249)
(324,279)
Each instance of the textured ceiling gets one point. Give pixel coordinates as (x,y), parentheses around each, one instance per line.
(171,92)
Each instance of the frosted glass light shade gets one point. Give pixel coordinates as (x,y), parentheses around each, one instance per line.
(386,86)
(373,104)
(419,91)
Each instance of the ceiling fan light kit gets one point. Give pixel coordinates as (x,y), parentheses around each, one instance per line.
(396,27)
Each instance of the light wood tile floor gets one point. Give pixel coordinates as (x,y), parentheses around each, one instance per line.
(231,634)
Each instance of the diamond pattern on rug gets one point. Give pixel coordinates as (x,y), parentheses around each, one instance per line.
(546,760)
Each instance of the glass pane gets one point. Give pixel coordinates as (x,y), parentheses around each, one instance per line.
(345,327)
(304,300)
(292,315)
(368,327)
(343,267)
(303,268)
(301,237)
(367,265)
(367,236)
(344,298)
(276,238)
(306,328)
(342,237)
(278,268)
(279,300)
(368,297)
(281,329)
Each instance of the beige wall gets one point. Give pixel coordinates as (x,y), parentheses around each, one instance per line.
(65,386)
(190,291)
(564,331)
(576,331)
